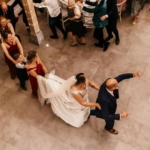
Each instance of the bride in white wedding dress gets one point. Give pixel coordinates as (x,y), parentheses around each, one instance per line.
(68,98)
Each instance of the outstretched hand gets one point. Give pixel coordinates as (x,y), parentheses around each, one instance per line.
(136,74)
(124,114)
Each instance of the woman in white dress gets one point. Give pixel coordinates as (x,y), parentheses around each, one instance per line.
(68,98)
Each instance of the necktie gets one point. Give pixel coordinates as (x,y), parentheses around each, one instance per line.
(116,93)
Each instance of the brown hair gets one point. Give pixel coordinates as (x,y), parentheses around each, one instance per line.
(30,56)
(16,56)
(71,3)
(2,17)
(5,35)
(80,78)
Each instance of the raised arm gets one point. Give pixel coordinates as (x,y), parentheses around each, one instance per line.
(90,3)
(40,5)
(92,10)
(127,76)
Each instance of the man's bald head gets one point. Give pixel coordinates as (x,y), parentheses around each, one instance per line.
(4,6)
(111,84)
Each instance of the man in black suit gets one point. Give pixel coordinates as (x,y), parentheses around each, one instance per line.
(8,12)
(112,15)
(107,98)
(24,18)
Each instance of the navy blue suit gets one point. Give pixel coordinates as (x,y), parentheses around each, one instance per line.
(108,103)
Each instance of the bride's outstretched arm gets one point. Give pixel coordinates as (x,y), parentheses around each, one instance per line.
(93,85)
(79,98)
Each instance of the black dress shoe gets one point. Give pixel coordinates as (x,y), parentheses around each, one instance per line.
(108,38)
(53,37)
(98,45)
(24,88)
(106,46)
(117,41)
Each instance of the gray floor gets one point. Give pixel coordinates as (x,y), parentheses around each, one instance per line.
(25,125)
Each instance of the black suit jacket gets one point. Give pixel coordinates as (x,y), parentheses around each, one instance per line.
(112,10)
(108,102)
(10,13)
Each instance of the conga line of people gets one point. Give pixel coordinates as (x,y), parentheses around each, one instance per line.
(68,98)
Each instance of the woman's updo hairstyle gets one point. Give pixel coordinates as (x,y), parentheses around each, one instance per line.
(80,78)
(5,35)
(30,56)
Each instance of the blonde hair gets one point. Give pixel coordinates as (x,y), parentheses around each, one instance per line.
(71,3)
(1,18)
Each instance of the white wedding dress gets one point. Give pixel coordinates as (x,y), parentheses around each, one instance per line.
(57,91)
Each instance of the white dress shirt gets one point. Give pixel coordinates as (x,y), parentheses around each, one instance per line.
(21,65)
(111,92)
(51,5)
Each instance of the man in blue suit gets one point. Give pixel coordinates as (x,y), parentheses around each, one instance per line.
(107,98)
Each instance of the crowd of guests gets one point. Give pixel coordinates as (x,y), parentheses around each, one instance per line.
(68,98)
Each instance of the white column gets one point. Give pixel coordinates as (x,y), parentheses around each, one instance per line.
(36,34)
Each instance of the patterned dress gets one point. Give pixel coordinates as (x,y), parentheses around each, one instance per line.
(135,6)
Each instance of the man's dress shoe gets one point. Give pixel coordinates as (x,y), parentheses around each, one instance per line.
(117,41)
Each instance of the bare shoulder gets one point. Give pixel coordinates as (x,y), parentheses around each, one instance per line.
(2,44)
(73,87)
(15,38)
(27,66)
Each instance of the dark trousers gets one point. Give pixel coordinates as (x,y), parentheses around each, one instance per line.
(22,83)
(109,123)
(55,22)
(98,34)
(112,27)
(14,21)
(24,18)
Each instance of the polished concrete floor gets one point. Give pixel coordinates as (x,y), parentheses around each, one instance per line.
(25,125)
